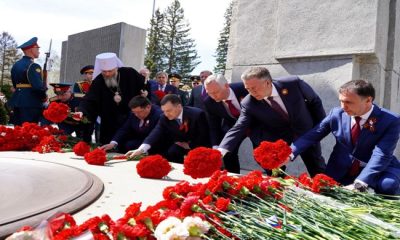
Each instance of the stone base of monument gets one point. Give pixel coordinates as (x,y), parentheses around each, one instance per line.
(32,190)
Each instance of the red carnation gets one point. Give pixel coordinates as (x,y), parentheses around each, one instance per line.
(160,94)
(271,155)
(96,157)
(56,112)
(85,87)
(202,162)
(81,148)
(154,166)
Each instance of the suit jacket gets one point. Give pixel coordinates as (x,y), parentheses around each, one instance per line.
(303,105)
(196,100)
(375,145)
(132,130)
(169,89)
(25,71)
(193,130)
(220,120)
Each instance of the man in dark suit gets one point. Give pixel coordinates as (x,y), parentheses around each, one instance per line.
(186,127)
(284,109)
(108,96)
(143,118)
(199,93)
(366,136)
(162,87)
(30,92)
(223,108)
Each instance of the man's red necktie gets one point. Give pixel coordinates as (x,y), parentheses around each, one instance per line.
(355,133)
(277,108)
(355,130)
(232,109)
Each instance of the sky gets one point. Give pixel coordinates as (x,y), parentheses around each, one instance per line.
(56,19)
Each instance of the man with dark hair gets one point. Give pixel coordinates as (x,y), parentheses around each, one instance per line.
(180,128)
(223,108)
(30,92)
(82,87)
(366,136)
(143,118)
(276,109)
(199,93)
(113,87)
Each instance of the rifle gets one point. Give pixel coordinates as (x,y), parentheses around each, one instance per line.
(45,66)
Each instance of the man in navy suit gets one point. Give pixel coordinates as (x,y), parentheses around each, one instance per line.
(180,128)
(143,118)
(163,86)
(223,108)
(284,109)
(30,92)
(366,136)
(199,93)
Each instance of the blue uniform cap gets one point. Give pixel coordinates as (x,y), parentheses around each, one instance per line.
(29,44)
(60,88)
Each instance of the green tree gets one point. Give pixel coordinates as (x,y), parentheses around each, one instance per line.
(8,56)
(155,50)
(223,41)
(181,54)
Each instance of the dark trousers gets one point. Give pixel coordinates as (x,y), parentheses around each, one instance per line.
(26,114)
(231,162)
(313,160)
(176,153)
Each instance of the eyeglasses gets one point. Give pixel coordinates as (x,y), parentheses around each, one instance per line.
(195,83)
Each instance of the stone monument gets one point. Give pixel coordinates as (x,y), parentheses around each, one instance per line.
(127,41)
(326,43)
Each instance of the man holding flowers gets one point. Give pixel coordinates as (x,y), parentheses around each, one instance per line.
(283,108)
(366,136)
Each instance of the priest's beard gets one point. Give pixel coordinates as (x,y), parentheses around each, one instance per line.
(111,82)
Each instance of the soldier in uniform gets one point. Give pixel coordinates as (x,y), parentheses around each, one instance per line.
(175,80)
(64,95)
(30,92)
(82,87)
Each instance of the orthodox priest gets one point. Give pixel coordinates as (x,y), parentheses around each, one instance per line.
(108,97)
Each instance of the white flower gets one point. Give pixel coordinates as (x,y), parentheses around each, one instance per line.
(3,134)
(196,226)
(167,229)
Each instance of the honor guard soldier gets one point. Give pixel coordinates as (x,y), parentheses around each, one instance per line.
(175,80)
(30,91)
(64,95)
(82,87)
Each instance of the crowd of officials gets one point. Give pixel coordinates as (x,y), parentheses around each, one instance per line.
(133,114)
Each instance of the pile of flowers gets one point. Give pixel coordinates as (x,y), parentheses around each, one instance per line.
(253,206)
(32,137)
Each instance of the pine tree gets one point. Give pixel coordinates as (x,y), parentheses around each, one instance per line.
(8,56)
(223,41)
(155,50)
(181,54)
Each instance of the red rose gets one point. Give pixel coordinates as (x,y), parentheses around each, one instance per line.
(81,148)
(271,155)
(96,157)
(56,112)
(202,162)
(154,166)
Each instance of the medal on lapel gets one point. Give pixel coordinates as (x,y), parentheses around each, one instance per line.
(117,97)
